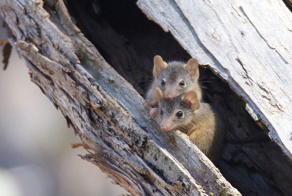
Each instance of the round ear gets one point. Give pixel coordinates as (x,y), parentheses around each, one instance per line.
(159,66)
(158,95)
(193,68)
(192,100)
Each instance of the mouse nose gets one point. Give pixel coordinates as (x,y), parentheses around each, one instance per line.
(164,129)
(169,97)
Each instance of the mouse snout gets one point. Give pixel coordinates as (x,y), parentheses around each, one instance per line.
(169,97)
(169,93)
(167,124)
(164,128)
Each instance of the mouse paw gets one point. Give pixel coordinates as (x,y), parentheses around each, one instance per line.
(153,112)
(151,104)
(147,103)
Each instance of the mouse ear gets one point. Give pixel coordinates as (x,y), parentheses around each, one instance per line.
(158,94)
(159,66)
(192,100)
(193,68)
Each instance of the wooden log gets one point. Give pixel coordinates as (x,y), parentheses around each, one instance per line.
(104,110)
(247,44)
(251,161)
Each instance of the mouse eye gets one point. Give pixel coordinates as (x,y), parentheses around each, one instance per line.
(182,83)
(163,82)
(161,112)
(179,114)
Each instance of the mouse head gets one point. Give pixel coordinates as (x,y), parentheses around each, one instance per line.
(177,112)
(175,78)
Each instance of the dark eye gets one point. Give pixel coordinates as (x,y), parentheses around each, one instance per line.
(161,112)
(163,82)
(179,114)
(182,83)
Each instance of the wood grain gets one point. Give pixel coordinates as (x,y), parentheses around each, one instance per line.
(247,44)
(104,109)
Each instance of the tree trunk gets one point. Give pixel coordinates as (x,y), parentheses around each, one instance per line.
(109,115)
(247,44)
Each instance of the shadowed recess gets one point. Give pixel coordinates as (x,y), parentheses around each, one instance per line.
(128,41)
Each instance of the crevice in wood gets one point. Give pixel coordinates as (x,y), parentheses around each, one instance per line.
(260,165)
(6,51)
(288,3)
(127,40)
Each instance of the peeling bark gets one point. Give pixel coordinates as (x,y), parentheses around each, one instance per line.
(109,115)
(104,109)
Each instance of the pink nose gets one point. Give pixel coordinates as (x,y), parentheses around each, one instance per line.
(169,97)
(164,129)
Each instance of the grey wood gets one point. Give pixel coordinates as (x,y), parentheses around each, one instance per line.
(105,111)
(247,43)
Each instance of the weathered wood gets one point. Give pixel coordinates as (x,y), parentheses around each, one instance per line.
(105,111)
(247,44)
(251,162)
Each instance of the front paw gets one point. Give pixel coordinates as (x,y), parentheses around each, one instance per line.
(153,112)
(147,103)
(151,104)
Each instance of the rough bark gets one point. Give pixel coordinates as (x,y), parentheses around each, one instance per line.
(246,44)
(104,110)
(251,162)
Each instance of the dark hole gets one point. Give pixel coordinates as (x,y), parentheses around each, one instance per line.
(128,41)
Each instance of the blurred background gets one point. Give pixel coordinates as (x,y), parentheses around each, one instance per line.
(36,158)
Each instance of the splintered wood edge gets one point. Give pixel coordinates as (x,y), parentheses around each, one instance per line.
(123,140)
(173,18)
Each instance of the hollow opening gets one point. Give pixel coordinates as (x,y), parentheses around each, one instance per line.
(128,41)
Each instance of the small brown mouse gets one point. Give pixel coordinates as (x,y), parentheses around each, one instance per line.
(198,120)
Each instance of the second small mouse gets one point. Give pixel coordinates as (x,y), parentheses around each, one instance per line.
(198,120)
(174,78)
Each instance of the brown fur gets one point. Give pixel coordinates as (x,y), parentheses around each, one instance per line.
(207,131)
(192,67)
(159,66)
(200,122)
(192,99)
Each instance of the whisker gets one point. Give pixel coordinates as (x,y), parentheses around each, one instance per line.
(144,73)
(144,85)
(205,82)
(204,87)
(206,77)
